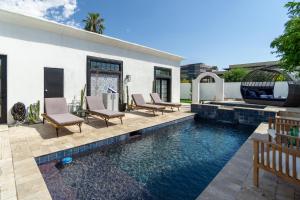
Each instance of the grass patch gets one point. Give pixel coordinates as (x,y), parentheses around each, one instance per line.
(185,100)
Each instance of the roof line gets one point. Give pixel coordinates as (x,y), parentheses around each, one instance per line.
(135,46)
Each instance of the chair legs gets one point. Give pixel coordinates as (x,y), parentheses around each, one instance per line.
(56,131)
(255,164)
(255,176)
(79,125)
(153,112)
(106,122)
(121,120)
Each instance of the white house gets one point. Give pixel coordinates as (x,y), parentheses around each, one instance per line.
(41,58)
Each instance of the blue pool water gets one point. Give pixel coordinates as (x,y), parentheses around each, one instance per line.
(175,162)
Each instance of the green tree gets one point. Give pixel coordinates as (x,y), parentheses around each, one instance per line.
(94,23)
(235,75)
(287,45)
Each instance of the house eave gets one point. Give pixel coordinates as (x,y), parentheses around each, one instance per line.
(51,26)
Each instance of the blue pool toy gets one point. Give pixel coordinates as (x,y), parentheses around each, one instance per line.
(66,160)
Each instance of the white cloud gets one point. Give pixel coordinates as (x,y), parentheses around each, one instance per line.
(58,10)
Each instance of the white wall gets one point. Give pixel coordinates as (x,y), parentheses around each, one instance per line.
(231,90)
(281,89)
(185,91)
(29,50)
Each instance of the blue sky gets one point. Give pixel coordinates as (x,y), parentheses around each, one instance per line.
(216,32)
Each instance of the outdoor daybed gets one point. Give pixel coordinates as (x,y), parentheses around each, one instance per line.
(157,101)
(96,107)
(141,104)
(56,113)
(258,86)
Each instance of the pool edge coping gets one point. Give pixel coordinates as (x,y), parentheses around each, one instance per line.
(229,169)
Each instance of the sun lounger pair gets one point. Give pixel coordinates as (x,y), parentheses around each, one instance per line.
(158,105)
(56,112)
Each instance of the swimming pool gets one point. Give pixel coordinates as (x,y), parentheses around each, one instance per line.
(173,162)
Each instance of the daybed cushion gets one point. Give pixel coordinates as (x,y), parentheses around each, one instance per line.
(283,163)
(108,113)
(65,119)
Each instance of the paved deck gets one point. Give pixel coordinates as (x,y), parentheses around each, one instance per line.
(20,177)
(235,180)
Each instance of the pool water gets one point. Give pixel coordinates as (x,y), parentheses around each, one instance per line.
(174,162)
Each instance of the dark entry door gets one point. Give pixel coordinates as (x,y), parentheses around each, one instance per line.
(53,82)
(3,89)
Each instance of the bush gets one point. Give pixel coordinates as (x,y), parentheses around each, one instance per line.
(235,75)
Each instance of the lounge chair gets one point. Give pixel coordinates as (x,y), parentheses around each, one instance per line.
(141,104)
(56,113)
(95,107)
(157,101)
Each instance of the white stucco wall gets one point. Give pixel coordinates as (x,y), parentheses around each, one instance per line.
(231,90)
(29,50)
(185,91)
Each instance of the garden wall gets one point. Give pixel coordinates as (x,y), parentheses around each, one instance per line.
(231,90)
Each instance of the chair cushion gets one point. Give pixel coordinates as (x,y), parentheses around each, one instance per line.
(272,133)
(65,119)
(138,99)
(151,106)
(155,97)
(56,106)
(169,104)
(283,163)
(108,113)
(94,103)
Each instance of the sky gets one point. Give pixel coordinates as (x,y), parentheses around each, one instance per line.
(215,32)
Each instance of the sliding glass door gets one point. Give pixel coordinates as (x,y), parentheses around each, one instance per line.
(3,89)
(162,83)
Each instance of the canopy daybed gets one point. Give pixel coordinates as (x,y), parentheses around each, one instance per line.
(257,87)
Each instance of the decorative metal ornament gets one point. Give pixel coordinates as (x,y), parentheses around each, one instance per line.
(18,112)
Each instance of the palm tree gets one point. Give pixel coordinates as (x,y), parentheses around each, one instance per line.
(94,23)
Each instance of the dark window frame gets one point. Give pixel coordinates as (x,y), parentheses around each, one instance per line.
(105,60)
(168,77)
(3,118)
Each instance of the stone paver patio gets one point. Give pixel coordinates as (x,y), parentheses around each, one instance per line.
(234,181)
(20,177)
